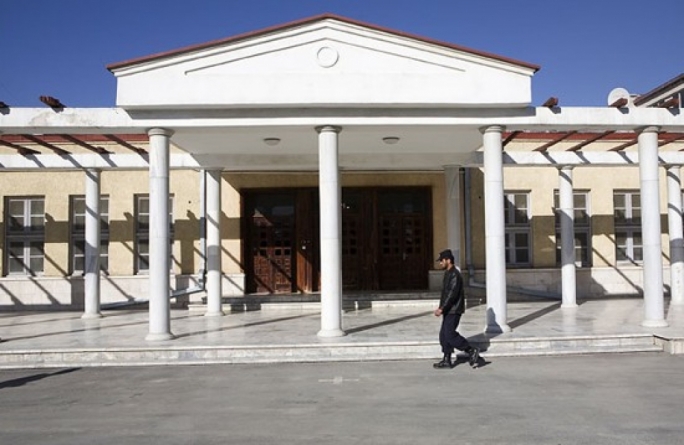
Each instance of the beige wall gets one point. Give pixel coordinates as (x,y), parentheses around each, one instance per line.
(121,186)
(600,182)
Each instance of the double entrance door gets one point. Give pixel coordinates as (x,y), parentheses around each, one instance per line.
(385,239)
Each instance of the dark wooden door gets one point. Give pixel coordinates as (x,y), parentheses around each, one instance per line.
(307,246)
(403,239)
(402,252)
(359,238)
(281,249)
(271,241)
(385,238)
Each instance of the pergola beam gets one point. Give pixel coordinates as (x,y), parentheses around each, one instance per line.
(118,140)
(555,141)
(672,138)
(24,151)
(512,135)
(80,143)
(590,140)
(41,142)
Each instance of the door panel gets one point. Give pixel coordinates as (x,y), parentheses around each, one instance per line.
(270,243)
(404,238)
(308,252)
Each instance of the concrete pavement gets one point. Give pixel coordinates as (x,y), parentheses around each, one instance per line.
(608,399)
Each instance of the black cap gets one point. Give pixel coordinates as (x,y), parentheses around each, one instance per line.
(445,254)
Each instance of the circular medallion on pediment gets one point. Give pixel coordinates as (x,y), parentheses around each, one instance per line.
(327,56)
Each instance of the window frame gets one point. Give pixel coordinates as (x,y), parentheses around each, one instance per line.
(78,235)
(514,228)
(582,226)
(142,235)
(628,227)
(28,236)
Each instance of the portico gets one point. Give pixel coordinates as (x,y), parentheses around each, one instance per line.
(323,96)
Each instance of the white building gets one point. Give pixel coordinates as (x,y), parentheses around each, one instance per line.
(329,155)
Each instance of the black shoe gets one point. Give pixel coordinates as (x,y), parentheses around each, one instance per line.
(444,364)
(474,357)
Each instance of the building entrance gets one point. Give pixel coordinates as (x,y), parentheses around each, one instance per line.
(385,239)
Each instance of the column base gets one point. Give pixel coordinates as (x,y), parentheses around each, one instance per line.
(91,316)
(654,324)
(327,333)
(159,336)
(497,329)
(569,306)
(214,314)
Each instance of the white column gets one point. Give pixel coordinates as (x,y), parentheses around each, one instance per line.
(331,229)
(92,245)
(654,312)
(453,210)
(567,222)
(674,218)
(494,231)
(213,199)
(160,248)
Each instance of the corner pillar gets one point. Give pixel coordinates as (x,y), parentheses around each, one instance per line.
(654,312)
(567,235)
(331,231)
(92,296)
(160,241)
(213,222)
(495,231)
(452,176)
(674,218)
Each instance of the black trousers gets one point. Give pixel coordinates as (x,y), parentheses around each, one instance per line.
(449,337)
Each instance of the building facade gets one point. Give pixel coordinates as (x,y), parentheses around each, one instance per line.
(329,156)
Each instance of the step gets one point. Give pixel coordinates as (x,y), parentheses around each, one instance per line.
(320,352)
(673,345)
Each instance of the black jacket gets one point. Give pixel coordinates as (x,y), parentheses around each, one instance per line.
(453,297)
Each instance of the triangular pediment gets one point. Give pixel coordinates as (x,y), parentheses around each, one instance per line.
(323,63)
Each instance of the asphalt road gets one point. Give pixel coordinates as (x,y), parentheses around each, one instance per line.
(600,399)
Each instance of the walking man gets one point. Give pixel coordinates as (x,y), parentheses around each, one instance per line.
(451,307)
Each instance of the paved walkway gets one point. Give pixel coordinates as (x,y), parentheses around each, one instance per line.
(28,338)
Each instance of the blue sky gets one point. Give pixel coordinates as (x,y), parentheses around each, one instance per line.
(585,47)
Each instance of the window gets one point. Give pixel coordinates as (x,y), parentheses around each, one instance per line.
(142,231)
(517,221)
(582,228)
(627,217)
(25,235)
(78,217)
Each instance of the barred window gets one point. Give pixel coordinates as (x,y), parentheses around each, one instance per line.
(582,223)
(518,228)
(627,217)
(25,235)
(78,217)
(142,232)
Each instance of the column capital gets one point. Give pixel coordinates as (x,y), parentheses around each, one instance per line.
(160,132)
(328,129)
(649,129)
(492,129)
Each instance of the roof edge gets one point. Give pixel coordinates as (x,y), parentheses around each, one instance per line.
(326,16)
(642,98)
